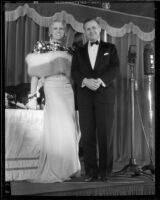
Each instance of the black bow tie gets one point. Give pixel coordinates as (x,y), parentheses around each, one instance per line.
(92,43)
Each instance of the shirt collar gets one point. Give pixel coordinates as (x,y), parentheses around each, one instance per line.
(89,42)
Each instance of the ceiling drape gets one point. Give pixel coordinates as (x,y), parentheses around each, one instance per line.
(116,24)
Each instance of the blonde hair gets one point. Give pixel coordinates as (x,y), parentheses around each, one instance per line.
(53,22)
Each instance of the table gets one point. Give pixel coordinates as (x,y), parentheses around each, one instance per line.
(23,133)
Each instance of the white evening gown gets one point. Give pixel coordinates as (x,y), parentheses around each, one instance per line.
(59,149)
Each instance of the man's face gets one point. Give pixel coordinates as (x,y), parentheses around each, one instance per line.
(92,30)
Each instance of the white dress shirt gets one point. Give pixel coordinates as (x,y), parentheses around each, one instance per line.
(92,52)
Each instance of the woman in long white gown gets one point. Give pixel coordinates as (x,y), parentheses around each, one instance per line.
(59,158)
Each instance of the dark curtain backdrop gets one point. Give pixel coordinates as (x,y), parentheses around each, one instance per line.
(22,34)
(123,103)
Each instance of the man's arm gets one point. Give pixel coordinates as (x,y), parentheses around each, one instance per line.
(113,69)
(76,74)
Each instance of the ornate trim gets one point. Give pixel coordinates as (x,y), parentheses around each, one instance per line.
(127,28)
(77,26)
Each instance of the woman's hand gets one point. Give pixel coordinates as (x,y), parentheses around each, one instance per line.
(32,103)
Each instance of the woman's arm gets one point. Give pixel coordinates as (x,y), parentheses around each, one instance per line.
(34,84)
(32,99)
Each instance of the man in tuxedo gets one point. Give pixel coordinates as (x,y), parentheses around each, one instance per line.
(95,65)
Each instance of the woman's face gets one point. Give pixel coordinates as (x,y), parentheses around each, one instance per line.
(57,31)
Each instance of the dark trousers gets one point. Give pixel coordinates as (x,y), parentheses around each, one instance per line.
(96,124)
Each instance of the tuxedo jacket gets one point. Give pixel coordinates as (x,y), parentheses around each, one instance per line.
(106,68)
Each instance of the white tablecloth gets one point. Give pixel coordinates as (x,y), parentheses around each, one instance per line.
(23,132)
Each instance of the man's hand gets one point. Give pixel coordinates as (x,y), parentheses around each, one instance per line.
(92,84)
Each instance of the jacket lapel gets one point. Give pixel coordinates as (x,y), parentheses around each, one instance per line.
(98,58)
(99,55)
(86,55)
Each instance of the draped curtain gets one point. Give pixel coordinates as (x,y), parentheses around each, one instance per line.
(20,36)
(122,127)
